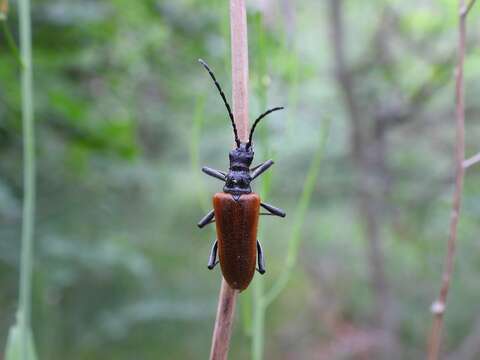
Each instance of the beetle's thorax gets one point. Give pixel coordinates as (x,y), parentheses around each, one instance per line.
(238,178)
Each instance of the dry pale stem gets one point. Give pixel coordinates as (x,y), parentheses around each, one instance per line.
(224,322)
(439,306)
(239,42)
(471,161)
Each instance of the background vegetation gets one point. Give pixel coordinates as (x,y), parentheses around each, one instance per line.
(125,117)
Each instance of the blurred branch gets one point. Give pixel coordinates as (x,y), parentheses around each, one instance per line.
(408,108)
(239,44)
(345,78)
(435,82)
(369,159)
(358,136)
(418,97)
(439,306)
(465,10)
(415,104)
(471,161)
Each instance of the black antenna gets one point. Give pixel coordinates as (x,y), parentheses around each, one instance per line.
(237,141)
(257,121)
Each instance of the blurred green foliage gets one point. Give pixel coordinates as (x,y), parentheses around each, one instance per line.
(123,111)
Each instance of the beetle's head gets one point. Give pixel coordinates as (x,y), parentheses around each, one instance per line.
(241,157)
(238,178)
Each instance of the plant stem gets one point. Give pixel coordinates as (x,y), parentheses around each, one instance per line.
(439,306)
(239,46)
(223,324)
(28,173)
(258,323)
(471,161)
(466,9)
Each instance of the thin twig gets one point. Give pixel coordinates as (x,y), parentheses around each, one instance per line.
(439,306)
(471,161)
(29,162)
(466,9)
(239,43)
(223,324)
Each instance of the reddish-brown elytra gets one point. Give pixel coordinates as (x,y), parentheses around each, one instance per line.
(237,208)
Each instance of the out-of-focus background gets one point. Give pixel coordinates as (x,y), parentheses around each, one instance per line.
(126,117)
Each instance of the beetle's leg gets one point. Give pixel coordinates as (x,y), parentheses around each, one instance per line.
(207,219)
(261,260)
(256,167)
(273,210)
(212,260)
(220,175)
(260,169)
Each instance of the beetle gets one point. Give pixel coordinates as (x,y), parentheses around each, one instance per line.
(236,210)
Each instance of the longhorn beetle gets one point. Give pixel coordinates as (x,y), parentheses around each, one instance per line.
(236,209)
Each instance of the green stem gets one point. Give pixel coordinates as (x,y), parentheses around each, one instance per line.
(28,175)
(258,324)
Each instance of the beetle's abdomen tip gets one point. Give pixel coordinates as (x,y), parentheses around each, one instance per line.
(236,286)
